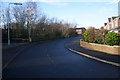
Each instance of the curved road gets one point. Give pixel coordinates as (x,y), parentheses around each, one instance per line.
(53,60)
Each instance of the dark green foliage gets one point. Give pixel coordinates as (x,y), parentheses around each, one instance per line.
(72,32)
(39,33)
(101,36)
(112,38)
(93,35)
(106,32)
(89,35)
(99,40)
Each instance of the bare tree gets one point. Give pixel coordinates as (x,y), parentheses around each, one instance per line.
(31,16)
(4,15)
(37,26)
(26,17)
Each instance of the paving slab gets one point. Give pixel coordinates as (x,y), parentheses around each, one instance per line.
(97,54)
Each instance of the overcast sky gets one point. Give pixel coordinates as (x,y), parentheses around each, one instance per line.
(85,13)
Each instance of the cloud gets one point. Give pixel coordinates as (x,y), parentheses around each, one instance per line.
(49,1)
(61,3)
(46,1)
(115,1)
(53,2)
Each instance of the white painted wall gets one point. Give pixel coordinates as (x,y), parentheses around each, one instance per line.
(116,31)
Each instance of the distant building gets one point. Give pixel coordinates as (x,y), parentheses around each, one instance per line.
(113,24)
(105,25)
(80,31)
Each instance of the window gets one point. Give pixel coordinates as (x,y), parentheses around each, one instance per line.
(116,23)
(119,22)
(113,25)
(108,27)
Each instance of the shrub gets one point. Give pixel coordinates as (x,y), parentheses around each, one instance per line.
(86,36)
(91,34)
(112,38)
(106,31)
(99,40)
(100,35)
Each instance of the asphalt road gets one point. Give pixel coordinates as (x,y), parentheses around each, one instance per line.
(53,60)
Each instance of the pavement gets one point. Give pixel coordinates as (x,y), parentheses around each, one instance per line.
(99,56)
(52,60)
(10,52)
(12,45)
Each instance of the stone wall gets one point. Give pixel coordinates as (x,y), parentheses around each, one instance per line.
(114,50)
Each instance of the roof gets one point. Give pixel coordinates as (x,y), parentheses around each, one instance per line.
(114,17)
(80,28)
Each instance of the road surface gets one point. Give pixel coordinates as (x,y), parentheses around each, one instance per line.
(53,60)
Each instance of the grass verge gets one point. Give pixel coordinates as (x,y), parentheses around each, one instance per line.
(76,41)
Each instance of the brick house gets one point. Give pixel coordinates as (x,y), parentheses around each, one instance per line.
(105,26)
(113,24)
(80,31)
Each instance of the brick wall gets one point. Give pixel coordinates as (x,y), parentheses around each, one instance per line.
(114,50)
(119,32)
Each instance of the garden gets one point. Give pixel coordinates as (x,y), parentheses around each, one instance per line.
(101,36)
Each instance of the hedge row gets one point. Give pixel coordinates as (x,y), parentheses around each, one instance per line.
(101,37)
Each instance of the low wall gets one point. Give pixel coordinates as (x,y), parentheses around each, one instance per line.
(114,50)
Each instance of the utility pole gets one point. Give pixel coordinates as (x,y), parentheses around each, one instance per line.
(0,43)
(8,26)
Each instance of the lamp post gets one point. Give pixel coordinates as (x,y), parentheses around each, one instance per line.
(9,21)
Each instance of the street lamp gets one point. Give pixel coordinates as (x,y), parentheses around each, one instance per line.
(9,22)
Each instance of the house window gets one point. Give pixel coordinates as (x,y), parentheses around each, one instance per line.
(116,23)
(119,22)
(113,25)
(108,27)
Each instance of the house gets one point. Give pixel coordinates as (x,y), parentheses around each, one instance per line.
(80,31)
(105,26)
(113,24)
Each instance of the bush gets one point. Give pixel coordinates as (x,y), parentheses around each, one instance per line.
(99,40)
(100,35)
(91,34)
(86,36)
(112,38)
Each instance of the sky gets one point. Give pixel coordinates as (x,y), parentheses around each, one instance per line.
(84,13)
